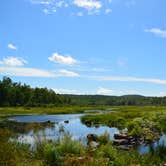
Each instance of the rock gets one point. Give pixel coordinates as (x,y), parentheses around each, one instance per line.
(124,147)
(93,144)
(92,137)
(82,158)
(88,123)
(66,121)
(133,143)
(120,136)
(121,142)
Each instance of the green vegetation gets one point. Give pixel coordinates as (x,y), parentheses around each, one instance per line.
(47,110)
(146,122)
(131,112)
(69,152)
(127,100)
(16,94)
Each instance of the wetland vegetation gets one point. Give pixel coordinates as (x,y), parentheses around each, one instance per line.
(79,131)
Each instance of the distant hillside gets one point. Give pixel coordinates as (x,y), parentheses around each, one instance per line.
(115,100)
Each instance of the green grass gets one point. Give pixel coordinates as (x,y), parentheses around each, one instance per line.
(69,152)
(46,110)
(120,115)
(145,122)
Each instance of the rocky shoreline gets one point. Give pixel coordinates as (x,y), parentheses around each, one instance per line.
(122,141)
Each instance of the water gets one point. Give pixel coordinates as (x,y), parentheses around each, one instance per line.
(75,127)
(144,149)
(45,118)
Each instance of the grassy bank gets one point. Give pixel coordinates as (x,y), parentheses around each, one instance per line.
(46,110)
(69,152)
(146,122)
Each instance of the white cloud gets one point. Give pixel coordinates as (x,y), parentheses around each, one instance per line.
(67,73)
(13,61)
(41,2)
(62,4)
(88,4)
(46,11)
(90,7)
(107,11)
(66,91)
(161,94)
(130,79)
(35,72)
(61,59)
(26,72)
(104,91)
(156,31)
(99,70)
(115,92)
(12,47)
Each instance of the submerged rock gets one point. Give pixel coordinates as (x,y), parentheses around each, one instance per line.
(88,123)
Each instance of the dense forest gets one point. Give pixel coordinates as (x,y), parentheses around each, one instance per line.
(135,100)
(17,94)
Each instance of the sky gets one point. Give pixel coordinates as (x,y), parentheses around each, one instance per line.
(107,47)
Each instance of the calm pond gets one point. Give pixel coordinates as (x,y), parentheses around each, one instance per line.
(74,126)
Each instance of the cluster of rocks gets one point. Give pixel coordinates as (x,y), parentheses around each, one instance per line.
(122,141)
(126,142)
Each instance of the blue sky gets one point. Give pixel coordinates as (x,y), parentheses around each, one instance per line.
(110,47)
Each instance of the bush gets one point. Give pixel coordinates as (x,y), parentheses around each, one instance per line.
(68,145)
(52,155)
(104,138)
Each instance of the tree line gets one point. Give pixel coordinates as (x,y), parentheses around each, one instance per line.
(128,100)
(17,94)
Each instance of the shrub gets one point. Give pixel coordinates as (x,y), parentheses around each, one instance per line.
(68,145)
(104,138)
(52,155)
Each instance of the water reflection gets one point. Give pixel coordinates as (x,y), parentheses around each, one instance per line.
(72,124)
(143,149)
